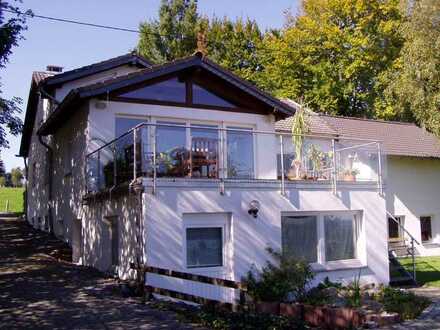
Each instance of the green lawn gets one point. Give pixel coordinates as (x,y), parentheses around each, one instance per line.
(15,197)
(427,270)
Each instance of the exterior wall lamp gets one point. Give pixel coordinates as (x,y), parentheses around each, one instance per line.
(254,207)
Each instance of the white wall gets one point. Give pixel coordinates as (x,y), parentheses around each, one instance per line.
(164,221)
(412,191)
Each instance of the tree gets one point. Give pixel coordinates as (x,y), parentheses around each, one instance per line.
(180,31)
(10,33)
(16,177)
(174,35)
(234,45)
(415,87)
(334,55)
(2,181)
(2,168)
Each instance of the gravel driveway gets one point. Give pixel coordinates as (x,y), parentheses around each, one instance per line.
(41,289)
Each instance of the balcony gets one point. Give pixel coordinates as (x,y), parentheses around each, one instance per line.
(180,152)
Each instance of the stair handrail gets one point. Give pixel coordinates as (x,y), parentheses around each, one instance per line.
(412,245)
(402,227)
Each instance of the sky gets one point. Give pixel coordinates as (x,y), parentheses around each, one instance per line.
(72,46)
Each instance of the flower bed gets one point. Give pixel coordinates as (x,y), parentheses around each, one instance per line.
(332,307)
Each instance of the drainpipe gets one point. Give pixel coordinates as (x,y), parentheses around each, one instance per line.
(26,173)
(50,170)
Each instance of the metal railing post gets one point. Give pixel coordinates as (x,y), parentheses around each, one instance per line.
(335,173)
(115,176)
(154,160)
(413,259)
(134,154)
(223,171)
(283,187)
(98,179)
(379,169)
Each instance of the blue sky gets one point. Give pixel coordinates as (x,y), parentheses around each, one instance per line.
(72,46)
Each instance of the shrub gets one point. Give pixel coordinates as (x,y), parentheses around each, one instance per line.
(287,280)
(222,320)
(406,304)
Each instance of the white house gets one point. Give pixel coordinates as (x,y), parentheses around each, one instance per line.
(185,166)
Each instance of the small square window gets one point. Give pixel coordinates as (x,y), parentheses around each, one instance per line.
(204,247)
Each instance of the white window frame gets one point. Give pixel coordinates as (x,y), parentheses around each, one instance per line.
(189,222)
(360,246)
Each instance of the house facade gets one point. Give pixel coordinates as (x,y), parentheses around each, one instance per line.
(185,166)
(412,178)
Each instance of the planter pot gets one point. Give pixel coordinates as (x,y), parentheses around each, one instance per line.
(268,307)
(349,177)
(315,315)
(292,310)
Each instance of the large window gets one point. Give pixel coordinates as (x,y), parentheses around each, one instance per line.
(202,96)
(172,154)
(204,247)
(321,237)
(204,151)
(240,147)
(124,151)
(171,90)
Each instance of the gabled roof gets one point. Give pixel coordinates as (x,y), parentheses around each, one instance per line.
(195,61)
(397,138)
(88,70)
(50,80)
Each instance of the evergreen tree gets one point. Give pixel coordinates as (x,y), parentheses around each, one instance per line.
(174,35)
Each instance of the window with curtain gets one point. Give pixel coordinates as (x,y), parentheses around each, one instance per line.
(300,237)
(339,237)
(172,154)
(240,153)
(204,247)
(338,233)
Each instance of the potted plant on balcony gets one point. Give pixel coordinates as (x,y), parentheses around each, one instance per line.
(300,126)
(316,156)
(350,174)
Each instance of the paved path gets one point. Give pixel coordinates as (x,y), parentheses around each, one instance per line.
(430,318)
(39,291)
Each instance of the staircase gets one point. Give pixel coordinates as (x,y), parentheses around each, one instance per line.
(399,275)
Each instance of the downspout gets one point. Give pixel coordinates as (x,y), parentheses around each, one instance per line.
(26,173)
(50,170)
(50,160)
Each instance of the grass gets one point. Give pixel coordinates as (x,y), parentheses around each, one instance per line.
(427,270)
(15,198)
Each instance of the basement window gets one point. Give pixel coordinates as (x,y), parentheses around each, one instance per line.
(204,247)
(322,238)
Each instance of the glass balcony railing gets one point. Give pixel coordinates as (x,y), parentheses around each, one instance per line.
(176,151)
